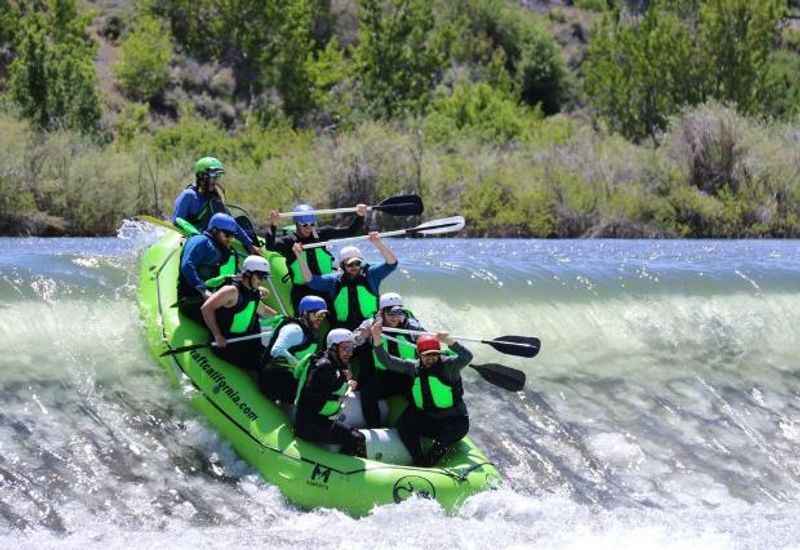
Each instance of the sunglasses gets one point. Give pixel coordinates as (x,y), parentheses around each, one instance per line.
(215,175)
(307,225)
(394,313)
(318,315)
(346,346)
(356,263)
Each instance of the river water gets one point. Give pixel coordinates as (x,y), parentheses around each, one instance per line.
(662,412)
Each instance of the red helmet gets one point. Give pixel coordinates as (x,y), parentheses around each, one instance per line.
(428,344)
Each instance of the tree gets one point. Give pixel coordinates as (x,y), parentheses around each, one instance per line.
(399,57)
(641,71)
(53,77)
(640,74)
(737,37)
(145,55)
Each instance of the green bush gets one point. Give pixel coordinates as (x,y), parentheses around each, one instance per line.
(398,56)
(638,75)
(783,88)
(736,38)
(480,110)
(145,55)
(592,5)
(541,72)
(641,71)
(52,79)
(132,122)
(492,30)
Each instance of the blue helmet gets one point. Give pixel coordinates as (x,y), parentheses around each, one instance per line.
(223,222)
(311,303)
(304,218)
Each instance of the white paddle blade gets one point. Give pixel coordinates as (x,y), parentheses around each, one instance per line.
(441,226)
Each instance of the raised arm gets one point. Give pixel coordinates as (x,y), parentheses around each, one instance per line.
(297,248)
(386,252)
(395,364)
(356,227)
(462,358)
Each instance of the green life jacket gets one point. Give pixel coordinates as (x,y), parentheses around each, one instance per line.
(186,228)
(226,271)
(431,392)
(320,262)
(333,403)
(242,318)
(213,275)
(354,302)
(406,350)
(305,349)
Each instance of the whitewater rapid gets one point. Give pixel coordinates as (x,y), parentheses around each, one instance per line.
(662,412)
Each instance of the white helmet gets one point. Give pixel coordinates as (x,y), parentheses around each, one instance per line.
(350,252)
(337,336)
(255,263)
(390,299)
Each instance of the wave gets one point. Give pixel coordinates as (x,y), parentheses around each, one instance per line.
(662,409)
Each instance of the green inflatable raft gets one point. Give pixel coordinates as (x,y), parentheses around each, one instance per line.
(261,432)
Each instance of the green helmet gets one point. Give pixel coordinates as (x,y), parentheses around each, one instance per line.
(208,164)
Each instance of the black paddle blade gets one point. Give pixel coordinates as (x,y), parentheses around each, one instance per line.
(520,346)
(401,205)
(501,376)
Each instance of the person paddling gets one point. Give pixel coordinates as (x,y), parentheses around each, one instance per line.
(323,381)
(206,259)
(354,289)
(198,203)
(437,410)
(375,381)
(319,260)
(234,311)
(292,341)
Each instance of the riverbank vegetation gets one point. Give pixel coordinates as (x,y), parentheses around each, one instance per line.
(596,120)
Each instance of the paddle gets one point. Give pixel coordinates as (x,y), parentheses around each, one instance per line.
(183,349)
(501,376)
(155,221)
(519,346)
(494,373)
(433,227)
(399,205)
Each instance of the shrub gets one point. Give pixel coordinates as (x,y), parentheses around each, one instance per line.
(480,110)
(145,55)
(638,75)
(592,5)
(541,72)
(133,121)
(710,140)
(399,57)
(53,78)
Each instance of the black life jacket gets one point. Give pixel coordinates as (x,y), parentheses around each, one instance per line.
(242,318)
(209,271)
(300,351)
(213,206)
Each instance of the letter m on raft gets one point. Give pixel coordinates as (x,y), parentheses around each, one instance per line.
(321,472)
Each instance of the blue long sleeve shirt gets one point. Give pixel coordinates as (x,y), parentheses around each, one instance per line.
(289,336)
(190,203)
(375,274)
(198,251)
